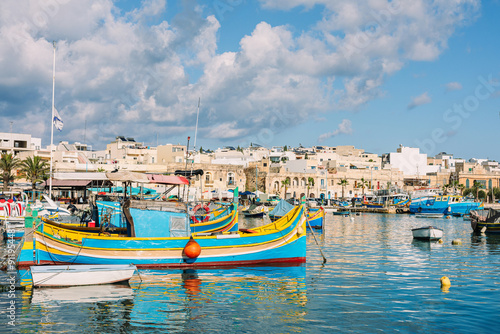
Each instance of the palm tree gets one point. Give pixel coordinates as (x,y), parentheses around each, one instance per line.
(461,188)
(285,184)
(476,186)
(363,184)
(35,169)
(445,189)
(310,183)
(8,164)
(343,182)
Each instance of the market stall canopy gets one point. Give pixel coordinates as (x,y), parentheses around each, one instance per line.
(67,183)
(167,179)
(126,176)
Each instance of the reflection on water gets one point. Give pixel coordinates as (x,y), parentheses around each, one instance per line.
(376,279)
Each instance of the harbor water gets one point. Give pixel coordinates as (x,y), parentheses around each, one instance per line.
(376,279)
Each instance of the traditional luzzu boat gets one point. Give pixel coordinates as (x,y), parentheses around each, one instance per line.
(445,204)
(254,211)
(280,210)
(223,218)
(485,221)
(168,242)
(316,217)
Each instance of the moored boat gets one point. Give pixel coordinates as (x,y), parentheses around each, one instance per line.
(428,233)
(444,204)
(429,215)
(164,243)
(316,217)
(75,275)
(486,221)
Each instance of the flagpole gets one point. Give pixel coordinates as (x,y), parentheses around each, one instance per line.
(52,119)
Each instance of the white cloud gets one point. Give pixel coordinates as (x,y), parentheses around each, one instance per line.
(345,127)
(134,74)
(453,86)
(419,100)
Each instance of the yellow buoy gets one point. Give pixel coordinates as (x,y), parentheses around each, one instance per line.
(445,282)
(456,242)
(300,230)
(440,241)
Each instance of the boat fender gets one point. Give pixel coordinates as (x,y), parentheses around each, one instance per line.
(300,230)
(449,209)
(192,249)
(419,210)
(440,241)
(456,242)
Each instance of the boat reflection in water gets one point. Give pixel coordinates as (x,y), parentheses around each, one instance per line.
(183,299)
(177,301)
(81,294)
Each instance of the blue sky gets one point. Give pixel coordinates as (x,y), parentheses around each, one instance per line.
(371,74)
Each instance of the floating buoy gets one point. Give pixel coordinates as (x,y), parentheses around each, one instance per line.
(445,282)
(440,241)
(448,217)
(456,242)
(192,249)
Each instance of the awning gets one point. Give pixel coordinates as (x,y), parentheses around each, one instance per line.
(126,176)
(167,179)
(67,183)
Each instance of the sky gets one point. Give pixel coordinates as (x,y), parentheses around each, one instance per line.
(375,74)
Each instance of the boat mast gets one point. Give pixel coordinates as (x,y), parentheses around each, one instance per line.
(196,129)
(52,119)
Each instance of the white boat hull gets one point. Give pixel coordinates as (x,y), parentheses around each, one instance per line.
(76,275)
(429,215)
(427,233)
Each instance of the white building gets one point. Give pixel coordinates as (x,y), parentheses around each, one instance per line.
(18,142)
(410,161)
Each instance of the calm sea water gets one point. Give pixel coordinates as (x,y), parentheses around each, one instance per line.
(376,279)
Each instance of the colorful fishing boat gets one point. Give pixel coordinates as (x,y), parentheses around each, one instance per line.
(445,204)
(485,221)
(280,210)
(254,211)
(167,243)
(316,217)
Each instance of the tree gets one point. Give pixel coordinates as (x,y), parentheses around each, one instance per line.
(100,170)
(343,182)
(445,189)
(34,169)
(461,188)
(8,164)
(285,183)
(363,184)
(310,183)
(476,186)
(306,156)
(285,148)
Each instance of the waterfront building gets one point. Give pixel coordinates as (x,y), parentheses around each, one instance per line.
(16,143)
(127,151)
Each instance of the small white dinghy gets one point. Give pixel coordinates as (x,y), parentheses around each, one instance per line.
(428,215)
(75,275)
(428,233)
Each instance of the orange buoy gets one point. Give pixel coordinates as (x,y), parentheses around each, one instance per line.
(192,249)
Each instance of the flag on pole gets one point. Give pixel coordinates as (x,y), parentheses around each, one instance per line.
(58,123)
